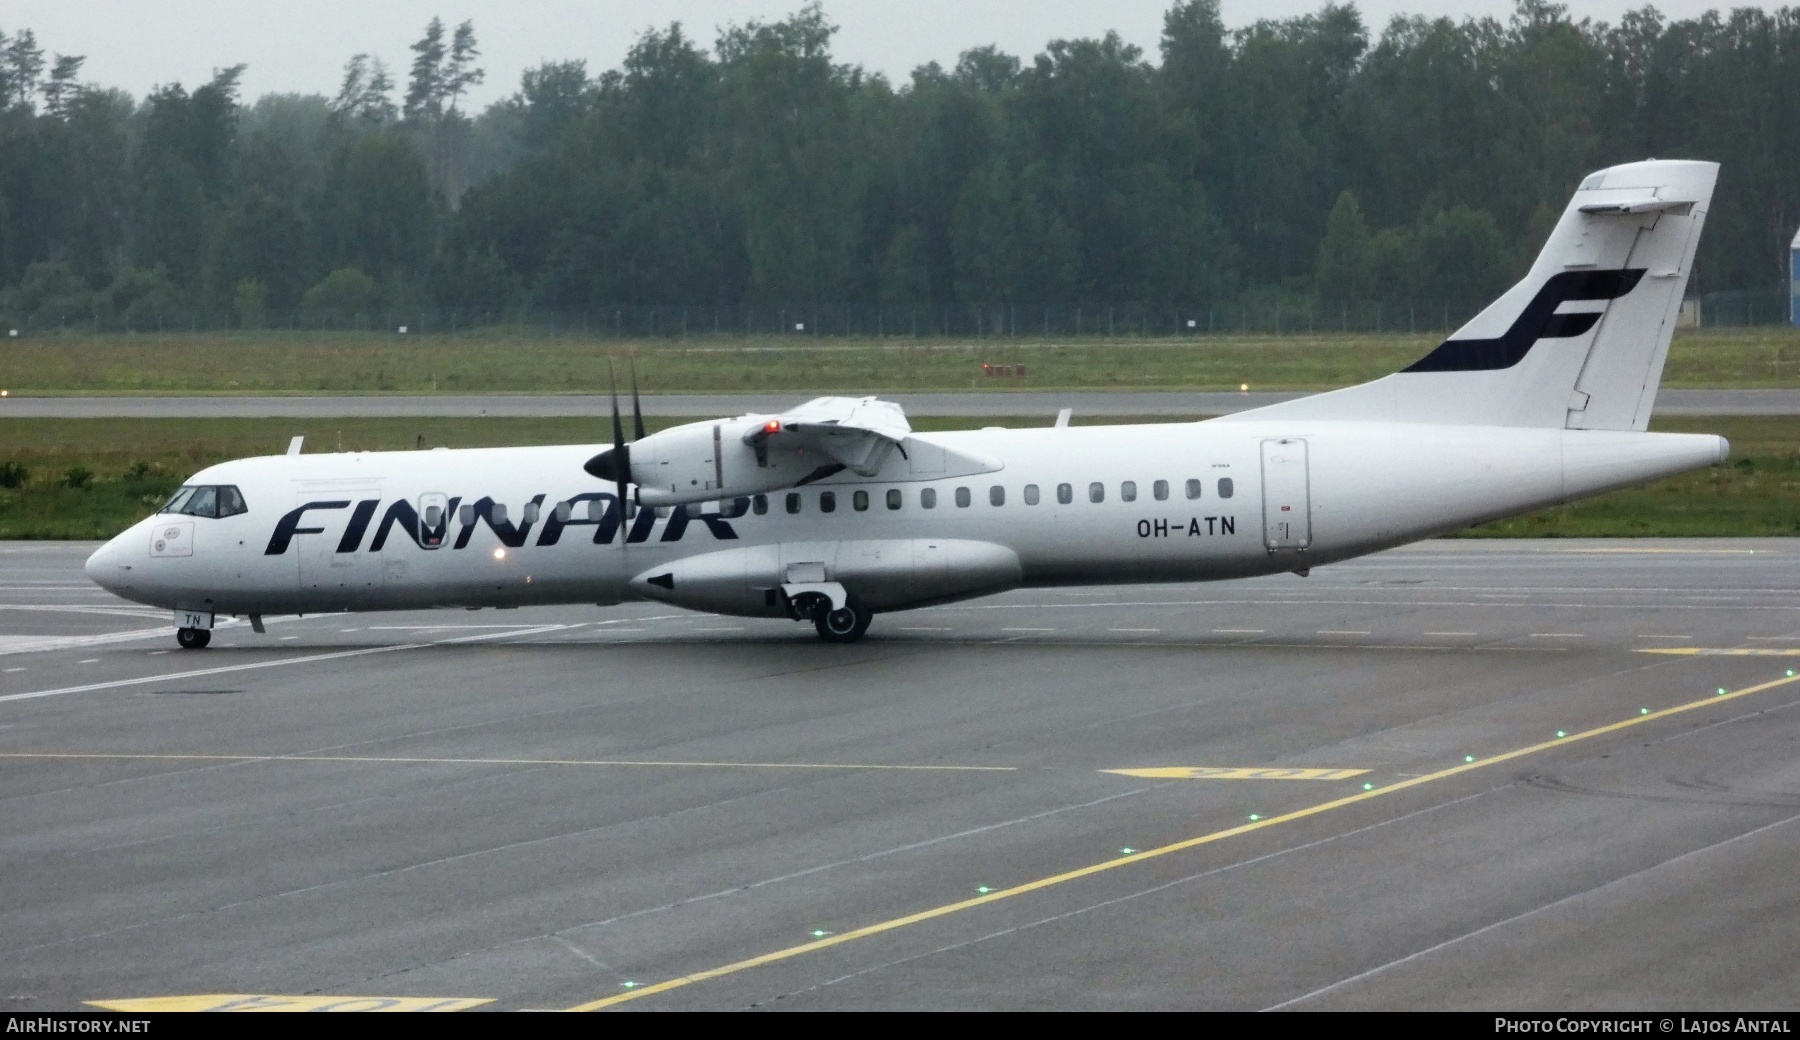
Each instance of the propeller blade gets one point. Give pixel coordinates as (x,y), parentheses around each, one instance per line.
(621,453)
(637,410)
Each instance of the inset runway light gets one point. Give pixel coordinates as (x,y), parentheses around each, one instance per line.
(984,890)
(499,554)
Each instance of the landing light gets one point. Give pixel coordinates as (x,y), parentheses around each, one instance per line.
(499,554)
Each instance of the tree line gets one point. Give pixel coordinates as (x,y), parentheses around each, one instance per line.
(1310,162)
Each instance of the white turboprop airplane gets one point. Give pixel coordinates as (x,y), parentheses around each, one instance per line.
(836,511)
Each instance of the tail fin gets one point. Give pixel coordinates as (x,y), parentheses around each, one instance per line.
(1580,342)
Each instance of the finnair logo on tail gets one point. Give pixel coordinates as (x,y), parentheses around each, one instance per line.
(1538,320)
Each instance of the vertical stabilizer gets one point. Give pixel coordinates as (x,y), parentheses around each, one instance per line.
(1580,342)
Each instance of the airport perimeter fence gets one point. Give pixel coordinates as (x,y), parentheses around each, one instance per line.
(982,322)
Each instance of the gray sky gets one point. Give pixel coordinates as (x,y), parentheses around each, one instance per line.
(302,47)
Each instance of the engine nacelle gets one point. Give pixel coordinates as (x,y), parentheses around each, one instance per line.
(703,461)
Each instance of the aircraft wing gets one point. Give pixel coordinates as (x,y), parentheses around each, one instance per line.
(857,432)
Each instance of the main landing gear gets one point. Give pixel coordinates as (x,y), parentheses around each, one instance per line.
(193,638)
(843,625)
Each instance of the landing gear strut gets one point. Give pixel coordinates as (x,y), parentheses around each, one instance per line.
(193,638)
(843,625)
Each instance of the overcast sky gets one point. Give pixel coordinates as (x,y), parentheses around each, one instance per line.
(302,47)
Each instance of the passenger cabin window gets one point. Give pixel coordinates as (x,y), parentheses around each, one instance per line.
(530,513)
(928,498)
(827,501)
(793,502)
(1065,493)
(996,495)
(1161,490)
(962,498)
(498,512)
(1224,487)
(434,515)
(893,498)
(859,501)
(1128,491)
(759,504)
(596,510)
(1096,492)
(1031,494)
(1193,489)
(207,500)
(466,515)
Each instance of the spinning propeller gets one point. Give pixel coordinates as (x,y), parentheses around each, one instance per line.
(615,463)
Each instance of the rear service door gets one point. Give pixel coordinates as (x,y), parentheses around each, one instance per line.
(1287,504)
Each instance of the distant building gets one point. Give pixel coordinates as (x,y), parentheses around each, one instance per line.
(1794,280)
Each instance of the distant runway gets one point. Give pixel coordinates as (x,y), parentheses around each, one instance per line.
(1011,405)
(1553,774)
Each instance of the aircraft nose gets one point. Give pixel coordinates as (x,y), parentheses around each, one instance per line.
(103,566)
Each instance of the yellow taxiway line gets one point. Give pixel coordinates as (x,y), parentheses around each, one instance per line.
(1139,856)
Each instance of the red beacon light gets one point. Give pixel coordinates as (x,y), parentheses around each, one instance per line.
(772,426)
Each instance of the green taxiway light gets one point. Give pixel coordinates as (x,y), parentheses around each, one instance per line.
(1368,787)
(820,933)
(629,985)
(1721,691)
(1790,673)
(1254,817)
(1643,711)
(1468,758)
(1561,733)
(1126,852)
(984,890)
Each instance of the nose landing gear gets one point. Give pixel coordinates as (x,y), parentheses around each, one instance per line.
(193,638)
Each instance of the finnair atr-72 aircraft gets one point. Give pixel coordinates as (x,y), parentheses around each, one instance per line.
(836,511)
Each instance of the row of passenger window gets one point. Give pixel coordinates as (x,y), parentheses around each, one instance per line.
(928,497)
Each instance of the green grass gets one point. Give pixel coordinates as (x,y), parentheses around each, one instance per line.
(136,463)
(494,362)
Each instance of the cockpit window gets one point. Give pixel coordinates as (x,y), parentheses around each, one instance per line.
(209,500)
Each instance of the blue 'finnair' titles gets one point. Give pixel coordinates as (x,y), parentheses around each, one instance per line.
(836,511)
(401,515)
